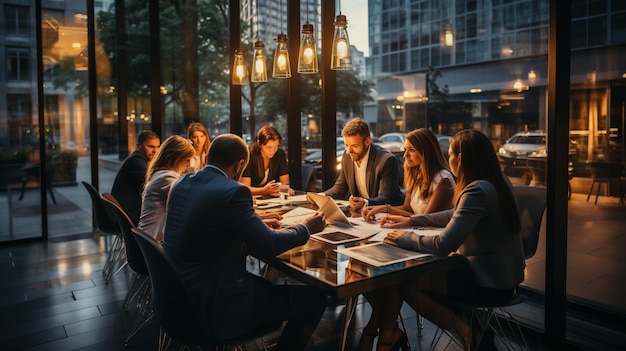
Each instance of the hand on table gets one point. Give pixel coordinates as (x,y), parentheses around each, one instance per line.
(272,223)
(271,188)
(392,237)
(368,212)
(395,221)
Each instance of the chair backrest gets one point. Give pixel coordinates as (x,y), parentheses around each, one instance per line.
(172,304)
(105,218)
(134,256)
(531,203)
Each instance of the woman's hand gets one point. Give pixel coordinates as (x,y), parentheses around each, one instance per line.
(368,213)
(271,188)
(392,237)
(394,221)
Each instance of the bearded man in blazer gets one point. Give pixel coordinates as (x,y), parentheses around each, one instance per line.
(211,227)
(369,173)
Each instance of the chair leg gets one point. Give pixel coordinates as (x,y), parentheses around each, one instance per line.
(142,315)
(590,189)
(116,260)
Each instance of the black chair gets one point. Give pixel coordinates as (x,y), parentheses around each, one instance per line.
(605,173)
(531,203)
(173,307)
(140,291)
(107,223)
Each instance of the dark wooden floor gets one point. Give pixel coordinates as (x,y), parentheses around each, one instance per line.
(53,297)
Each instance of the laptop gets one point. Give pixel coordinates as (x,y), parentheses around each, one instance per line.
(332,212)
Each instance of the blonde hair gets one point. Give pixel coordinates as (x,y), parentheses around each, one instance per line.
(173,150)
(425,142)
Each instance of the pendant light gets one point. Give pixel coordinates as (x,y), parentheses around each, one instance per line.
(240,70)
(281,67)
(448,36)
(307,59)
(341,57)
(259,66)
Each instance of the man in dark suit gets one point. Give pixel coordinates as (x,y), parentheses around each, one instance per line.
(210,229)
(369,173)
(130,179)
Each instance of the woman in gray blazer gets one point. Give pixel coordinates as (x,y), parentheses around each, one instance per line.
(484,227)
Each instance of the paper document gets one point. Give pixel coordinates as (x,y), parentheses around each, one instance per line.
(265,203)
(296,216)
(381,254)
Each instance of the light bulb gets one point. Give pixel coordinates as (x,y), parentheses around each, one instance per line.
(342,48)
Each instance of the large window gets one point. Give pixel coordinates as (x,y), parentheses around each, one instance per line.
(18,64)
(16,20)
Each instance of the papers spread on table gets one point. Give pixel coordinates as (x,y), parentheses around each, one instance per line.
(332,234)
(381,254)
(296,216)
(264,203)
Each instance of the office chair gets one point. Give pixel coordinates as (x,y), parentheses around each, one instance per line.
(140,292)
(531,202)
(107,224)
(174,310)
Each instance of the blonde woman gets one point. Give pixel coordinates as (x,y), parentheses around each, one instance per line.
(169,163)
(199,136)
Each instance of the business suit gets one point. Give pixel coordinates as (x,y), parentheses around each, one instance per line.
(128,184)
(381,175)
(477,228)
(210,228)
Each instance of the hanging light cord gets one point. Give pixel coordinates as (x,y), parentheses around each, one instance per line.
(257,20)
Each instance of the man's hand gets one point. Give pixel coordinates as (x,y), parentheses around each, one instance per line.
(315,223)
(356,203)
(272,223)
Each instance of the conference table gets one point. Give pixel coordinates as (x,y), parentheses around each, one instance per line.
(329,268)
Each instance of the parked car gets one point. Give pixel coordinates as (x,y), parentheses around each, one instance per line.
(392,142)
(513,155)
(314,157)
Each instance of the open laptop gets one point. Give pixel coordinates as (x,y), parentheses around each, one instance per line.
(332,212)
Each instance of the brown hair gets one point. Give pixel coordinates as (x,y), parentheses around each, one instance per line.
(425,142)
(227,149)
(356,126)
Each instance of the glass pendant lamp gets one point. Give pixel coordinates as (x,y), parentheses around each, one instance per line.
(341,58)
(240,70)
(259,66)
(281,67)
(307,60)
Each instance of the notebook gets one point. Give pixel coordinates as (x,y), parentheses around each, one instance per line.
(332,212)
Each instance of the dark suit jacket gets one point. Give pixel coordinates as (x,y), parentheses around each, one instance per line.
(210,228)
(382,178)
(477,228)
(128,184)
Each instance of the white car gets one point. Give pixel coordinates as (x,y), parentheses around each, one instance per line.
(392,142)
(521,145)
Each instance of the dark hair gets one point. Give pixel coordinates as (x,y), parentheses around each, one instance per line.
(226,150)
(479,162)
(266,134)
(199,127)
(173,150)
(425,142)
(356,126)
(145,135)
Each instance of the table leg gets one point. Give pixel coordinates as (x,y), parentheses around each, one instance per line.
(349,312)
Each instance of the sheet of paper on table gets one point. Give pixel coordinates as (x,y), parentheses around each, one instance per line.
(382,232)
(272,202)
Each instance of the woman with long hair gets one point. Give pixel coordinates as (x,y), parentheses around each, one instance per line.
(429,186)
(170,162)
(268,164)
(199,136)
(483,227)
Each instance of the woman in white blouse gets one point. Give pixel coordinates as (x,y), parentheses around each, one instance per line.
(428,182)
(170,162)
(199,136)
(429,186)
